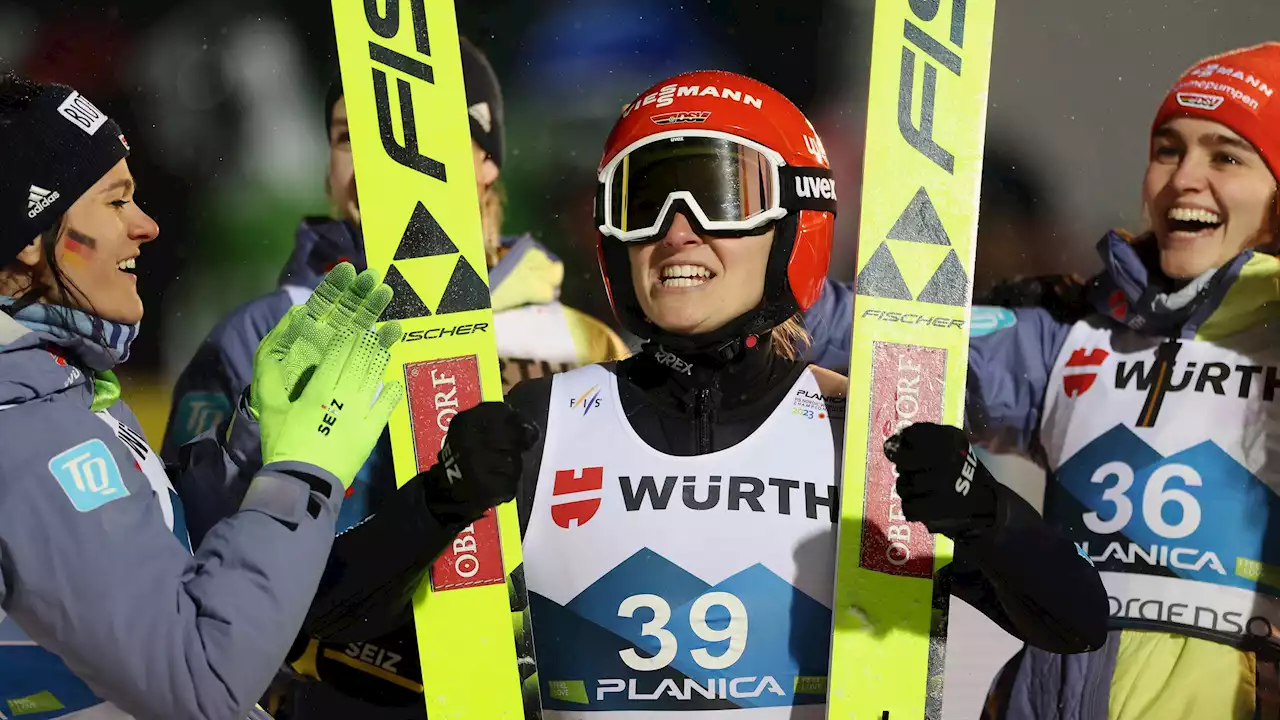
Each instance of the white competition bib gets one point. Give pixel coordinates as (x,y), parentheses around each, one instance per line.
(1170,486)
(701,584)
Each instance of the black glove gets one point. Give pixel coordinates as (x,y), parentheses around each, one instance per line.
(1065,297)
(941,482)
(480,464)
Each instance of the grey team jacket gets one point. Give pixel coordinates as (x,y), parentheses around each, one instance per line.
(91,571)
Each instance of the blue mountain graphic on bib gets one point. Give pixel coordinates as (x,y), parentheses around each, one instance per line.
(1197,514)
(29,670)
(787,635)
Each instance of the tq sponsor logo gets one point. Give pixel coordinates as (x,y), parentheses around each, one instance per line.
(1081,370)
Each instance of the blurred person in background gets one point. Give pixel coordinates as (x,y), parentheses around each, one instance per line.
(536,336)
(1148,394)
(103,606)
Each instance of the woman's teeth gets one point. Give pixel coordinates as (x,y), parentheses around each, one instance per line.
(674,276)
(129,264)
(1194,214)
(1192,219)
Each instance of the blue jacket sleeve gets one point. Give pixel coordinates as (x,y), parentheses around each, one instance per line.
(1011,355)
(209,387)
(90,570)
(828,323)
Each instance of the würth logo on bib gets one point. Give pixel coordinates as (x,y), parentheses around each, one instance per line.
(1082,370)
(584,489)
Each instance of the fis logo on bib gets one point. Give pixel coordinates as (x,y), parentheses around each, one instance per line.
(587,400)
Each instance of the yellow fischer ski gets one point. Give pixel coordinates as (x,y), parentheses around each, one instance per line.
(930,62)
(406,106)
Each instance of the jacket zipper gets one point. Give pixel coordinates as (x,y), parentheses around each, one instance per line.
(702,420)
(1166,356)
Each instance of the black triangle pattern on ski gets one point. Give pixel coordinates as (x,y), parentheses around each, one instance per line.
(881,277)
(423,237)
(405,303)
(949,284)
(920,222)
(466,291)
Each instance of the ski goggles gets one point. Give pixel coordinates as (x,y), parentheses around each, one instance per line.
(729,186)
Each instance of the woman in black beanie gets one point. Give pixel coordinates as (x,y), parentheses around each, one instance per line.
(102,604)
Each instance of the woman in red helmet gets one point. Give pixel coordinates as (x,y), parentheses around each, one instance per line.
(679,511)
(679,508)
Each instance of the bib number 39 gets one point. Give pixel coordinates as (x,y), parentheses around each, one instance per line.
(735,632)
(1155,498)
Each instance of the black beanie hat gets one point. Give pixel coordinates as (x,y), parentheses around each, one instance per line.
(484,100)
(54,145)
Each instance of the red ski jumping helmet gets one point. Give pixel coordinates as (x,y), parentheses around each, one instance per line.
(736,158)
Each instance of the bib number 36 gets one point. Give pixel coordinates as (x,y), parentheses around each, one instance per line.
(1156,497)
(735,632)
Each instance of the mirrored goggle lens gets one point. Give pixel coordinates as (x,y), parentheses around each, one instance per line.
(729,181)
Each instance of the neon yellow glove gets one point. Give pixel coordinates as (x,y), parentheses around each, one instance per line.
(317,389)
